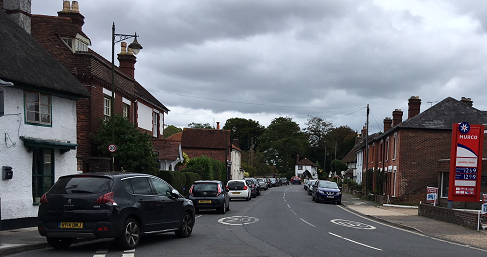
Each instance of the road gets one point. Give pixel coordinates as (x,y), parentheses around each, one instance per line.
(283,221)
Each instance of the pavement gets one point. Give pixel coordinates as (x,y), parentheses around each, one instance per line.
(405,217)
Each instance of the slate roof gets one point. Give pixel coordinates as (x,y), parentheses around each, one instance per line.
(442,115)
(205,138)
(168,150)
(25,62)
(352,154)
(142,93)
(305,162)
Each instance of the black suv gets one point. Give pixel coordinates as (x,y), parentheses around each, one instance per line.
(116,205)
(209,194)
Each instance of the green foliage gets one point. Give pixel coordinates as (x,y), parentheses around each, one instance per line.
(369,179)
(246,131)
(171,130)
(181,181)
(199,125)
(380,180)
(135,152)
(251,170)
(337,166)
(207,168)
(281,142)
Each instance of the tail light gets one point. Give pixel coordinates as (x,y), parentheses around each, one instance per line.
(245,188)
(191,190)
(219,191)
(44,199)
(106,199)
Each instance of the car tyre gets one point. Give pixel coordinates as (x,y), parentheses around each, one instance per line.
(130,236)
(228,207)
(186,227)
(223,209)
(59,243)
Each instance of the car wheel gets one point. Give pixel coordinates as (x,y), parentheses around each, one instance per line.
(223,209)
(59,243)
(186,227)
(316,199)
(312,197)
(228,207)
(130,236)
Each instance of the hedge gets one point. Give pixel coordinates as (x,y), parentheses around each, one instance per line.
(181,181)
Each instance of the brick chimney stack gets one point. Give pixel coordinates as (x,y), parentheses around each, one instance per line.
(396,117)
(364,132)
(467,101)
(218,125)
(387,124)
(71,10)
(127,60)
(19,11)
(414,106)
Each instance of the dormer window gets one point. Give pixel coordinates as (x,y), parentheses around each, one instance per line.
(78,44)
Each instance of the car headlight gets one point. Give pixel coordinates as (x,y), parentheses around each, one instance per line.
(321,191)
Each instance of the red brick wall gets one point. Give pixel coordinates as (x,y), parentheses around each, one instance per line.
(467,219)
(419,150)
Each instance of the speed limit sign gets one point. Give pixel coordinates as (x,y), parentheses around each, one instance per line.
(112,148)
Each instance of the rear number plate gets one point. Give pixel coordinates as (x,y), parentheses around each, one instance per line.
(71,225)
(329,196)
(236,193)
(204,201)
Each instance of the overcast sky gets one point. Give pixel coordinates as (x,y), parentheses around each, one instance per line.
(208,61)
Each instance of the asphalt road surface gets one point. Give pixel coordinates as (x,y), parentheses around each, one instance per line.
(283,221)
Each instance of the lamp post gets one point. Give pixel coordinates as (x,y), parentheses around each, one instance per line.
(135,46)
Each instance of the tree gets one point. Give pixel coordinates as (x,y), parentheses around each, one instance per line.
(171,130)
(338,166)
(135,152)
(342,140)
(281,142)
(199,125)
(316,131)
(246,131)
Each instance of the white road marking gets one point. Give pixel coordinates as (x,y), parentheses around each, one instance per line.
(307,223)
(288,206)
(294,212)
(128,253)
(101,253)
(198,216)
(355,242)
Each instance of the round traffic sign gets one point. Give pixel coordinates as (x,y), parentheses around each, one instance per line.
(112,148)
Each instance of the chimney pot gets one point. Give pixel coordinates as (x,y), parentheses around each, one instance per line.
(66,6)
(396,117)
(218,125)
(75,7)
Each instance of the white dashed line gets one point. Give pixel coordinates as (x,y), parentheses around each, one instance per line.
(307,223)
(355,242)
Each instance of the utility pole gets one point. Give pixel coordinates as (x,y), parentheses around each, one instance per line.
(366,149)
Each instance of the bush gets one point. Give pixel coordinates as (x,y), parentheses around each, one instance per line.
(181,181)
(207,168)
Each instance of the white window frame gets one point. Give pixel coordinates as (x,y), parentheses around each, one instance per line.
(107,107)
(387,149)
(395,146)
(41,108)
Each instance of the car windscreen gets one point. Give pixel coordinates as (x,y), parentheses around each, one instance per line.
(327,184)
(235,185)
(261,180)
(205,187)
(87,185)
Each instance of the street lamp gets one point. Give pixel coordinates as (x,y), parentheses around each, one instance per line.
(135,46)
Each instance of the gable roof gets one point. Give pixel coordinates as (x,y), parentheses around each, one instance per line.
(352,154)
(305,162)
(28,65)
(205,138)
(142,93)
(168,150)
(176,137)
(442,115)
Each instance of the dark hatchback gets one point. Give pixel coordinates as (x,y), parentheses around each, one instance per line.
(209,194)
(326,191)
(116,205)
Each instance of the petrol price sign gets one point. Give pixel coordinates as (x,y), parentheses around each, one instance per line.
(466,162)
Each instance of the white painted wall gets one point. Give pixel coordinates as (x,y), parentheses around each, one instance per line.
(311,169)
(16,194)
(144,119)
(236,159)
(357,173)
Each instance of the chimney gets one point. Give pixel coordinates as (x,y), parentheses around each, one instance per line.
(364,132)
(396,117)
(218,125)
(297,158)
(19,11)
(387,124)
(127,60)
(72,11)
(467,101)
(414,106)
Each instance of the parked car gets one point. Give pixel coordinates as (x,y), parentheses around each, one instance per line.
(310,184)
(116,205)
(262,184)
(254,186)
(284,181)
(326,191)
(209,194)
(238,189)
(274,182)
(268,181)
(295,180)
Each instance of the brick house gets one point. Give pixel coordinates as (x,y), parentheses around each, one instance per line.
(215,144)
(64,38)
(37,118)
(171,153)
(410,152)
